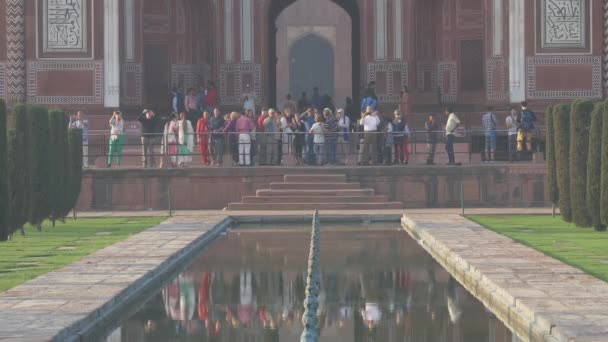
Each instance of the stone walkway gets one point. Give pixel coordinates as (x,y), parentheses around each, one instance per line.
(538,297)
(93,289)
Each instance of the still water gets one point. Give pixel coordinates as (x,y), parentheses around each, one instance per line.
(377,285)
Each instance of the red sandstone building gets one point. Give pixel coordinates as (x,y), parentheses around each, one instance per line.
(102,54)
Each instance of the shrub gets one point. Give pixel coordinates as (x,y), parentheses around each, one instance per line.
(580,118)
(17,180)
(75,163)
(561,128)
(58,167)
(594,164)
(4,209)
(38,162)
(604,175)
(550,157)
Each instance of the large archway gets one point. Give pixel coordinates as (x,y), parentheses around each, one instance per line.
(311,64)
(275,9)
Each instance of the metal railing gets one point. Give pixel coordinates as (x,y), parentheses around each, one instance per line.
(290,149)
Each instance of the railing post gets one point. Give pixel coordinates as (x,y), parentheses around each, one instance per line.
(169,199)
(462,197)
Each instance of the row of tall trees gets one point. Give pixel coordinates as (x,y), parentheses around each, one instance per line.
(577,161)
(40,167)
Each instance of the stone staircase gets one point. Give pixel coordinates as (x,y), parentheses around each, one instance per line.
(309,192)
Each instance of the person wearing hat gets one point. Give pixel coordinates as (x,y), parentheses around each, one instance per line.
(248,99)
(148,129)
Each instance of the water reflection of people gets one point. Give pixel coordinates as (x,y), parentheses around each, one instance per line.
(453,301)
(370,291)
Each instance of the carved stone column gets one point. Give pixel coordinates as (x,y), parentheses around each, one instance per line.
(15,51)
(517,53)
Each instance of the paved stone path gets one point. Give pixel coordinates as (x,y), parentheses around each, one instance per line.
(90,290)
(538,297)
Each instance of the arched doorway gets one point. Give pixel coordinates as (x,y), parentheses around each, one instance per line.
(275,9)
(311,64)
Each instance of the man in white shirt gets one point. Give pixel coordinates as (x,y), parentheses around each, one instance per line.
(370,124)
(248,99)
(450,128)
(343,139)
(82,124)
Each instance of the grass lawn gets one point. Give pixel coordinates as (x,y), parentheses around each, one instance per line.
(26,257)
(583,248)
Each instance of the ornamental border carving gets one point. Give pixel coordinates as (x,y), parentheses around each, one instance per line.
(2,80)
(65,66)
(452,68)
(136,69)
(238,70)
(594,61)
(492,94)
(389,68)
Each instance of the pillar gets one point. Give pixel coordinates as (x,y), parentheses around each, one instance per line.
(15,51)
(517,53)
(111,28)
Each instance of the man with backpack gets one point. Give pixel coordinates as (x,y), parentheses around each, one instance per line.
(525,120)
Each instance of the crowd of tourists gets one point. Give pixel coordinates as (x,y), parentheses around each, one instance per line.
(308,130)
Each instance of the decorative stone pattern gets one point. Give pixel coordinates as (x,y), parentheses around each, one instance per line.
(2,80)
(423,68)
(64,26)
(496,68)
(537,297)
(391,95)
(594,61)
(34,68)
(231,95)
(190,75)
(132,71)
(15,41)
(563,23)
(449,95)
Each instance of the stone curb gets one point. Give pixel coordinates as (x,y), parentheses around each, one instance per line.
(523,320)
(124,304)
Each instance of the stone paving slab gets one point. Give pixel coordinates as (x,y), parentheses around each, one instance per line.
(60,305)
(537,297)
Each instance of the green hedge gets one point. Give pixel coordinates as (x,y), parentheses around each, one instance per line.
(75,163)
(38,161)
(4,209)
(604,175)
(17,180)
(580,118)
(59,166)
(561,128)
(594,164)
(550,157)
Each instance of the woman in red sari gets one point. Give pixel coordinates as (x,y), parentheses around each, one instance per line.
(202,136)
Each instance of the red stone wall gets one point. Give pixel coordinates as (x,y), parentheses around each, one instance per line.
(416,186)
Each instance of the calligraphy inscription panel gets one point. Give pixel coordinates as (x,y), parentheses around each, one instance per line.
(563,23)
(65,26)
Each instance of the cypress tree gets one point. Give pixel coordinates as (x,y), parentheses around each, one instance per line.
(4,209)
(17,180)
(39,161)
(604,174)
(75,164)
(594,164)
(561,129)
(58,168)
(550,158)
(580,118)
(20,124)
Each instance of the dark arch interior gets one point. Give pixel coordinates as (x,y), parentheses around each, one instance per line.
(276,7)
(311,64)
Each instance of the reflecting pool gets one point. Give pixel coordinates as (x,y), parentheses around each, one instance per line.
(377,285)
